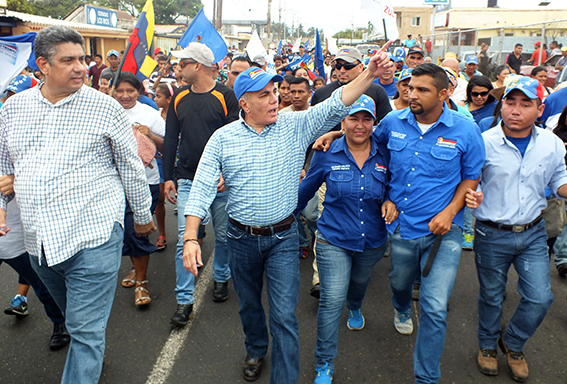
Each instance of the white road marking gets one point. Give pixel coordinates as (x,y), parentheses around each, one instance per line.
(166,360)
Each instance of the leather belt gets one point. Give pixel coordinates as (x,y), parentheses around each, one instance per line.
(269,230)
(512,228)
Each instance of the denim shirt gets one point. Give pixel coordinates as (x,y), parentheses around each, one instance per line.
(352,214)
(426,168)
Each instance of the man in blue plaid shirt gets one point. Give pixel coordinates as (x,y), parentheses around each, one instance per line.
(74,157)
(261,156)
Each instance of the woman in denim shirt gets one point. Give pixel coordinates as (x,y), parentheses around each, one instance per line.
(352,234)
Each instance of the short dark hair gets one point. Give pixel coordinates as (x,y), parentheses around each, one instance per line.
(88,57)
(162,58)
(537,70)
(49,39)
(255,64)
(278,57)
(244,59)
(479,81)
(98,55)
(440,78)
(301,80)
(229,55)
(319,78)
(294,72)
(518,45)
(106,75)
(130,78)
(287,78)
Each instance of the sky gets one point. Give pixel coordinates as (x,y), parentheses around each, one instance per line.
(336,15)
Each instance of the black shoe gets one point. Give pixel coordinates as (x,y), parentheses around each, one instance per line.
(18,308)
(220,291)
(562,269)
(182,315)
(252,368)
(60,337)
(315,291)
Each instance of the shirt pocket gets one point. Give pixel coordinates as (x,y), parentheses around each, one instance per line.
(378,185)
(340,183)
(396,147)
(445,160)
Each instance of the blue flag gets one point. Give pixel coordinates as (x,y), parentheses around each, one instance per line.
(306,45)
(319,60)
(297,62)
(202,31)
(17,54)
(280,48)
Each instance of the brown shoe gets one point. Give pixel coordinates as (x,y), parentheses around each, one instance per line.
(516,362)
(487,361)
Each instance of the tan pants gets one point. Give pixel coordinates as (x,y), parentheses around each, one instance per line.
(321,195)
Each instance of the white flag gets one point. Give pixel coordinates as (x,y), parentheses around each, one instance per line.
(389,17)
(13,59)
(255,46)
(332,45)
(295,47)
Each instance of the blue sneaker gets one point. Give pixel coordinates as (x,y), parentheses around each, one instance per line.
(402,322)
(468,242)
(324,375)
(355,320)
(19,306)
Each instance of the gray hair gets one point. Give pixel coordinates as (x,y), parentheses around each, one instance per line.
(48,40)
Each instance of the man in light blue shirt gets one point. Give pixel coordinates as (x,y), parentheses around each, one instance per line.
(521,160)
(261,156)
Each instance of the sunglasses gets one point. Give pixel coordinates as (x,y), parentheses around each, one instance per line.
(183,63)
(347,66)
(477,94)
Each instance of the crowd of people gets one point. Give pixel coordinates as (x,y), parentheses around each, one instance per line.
(384,155)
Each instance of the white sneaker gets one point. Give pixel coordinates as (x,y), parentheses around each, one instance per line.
(402,322)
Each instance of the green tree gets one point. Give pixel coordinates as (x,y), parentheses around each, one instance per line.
(56,9)
(20,6)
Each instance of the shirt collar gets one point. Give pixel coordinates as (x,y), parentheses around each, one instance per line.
(341,146)
(243,122)
(504,141)
(66,100)
(446,117)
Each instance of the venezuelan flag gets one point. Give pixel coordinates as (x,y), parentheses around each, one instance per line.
(137,60)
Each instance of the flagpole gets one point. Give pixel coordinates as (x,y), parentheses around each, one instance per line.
(115,80)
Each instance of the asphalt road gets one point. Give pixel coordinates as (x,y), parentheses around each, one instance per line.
(143,348)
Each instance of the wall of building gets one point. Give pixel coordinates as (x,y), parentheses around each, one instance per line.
(406,19)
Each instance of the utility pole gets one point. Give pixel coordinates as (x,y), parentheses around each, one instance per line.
(269,19)
(218,26)
(280,22)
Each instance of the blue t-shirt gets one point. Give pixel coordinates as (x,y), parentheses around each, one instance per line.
(485,111)
(520,142)
(146,100)
(390,89)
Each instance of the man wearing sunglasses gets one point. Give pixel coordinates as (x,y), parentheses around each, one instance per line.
(197,111)
(238,65)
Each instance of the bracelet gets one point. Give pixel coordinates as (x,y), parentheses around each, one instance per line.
(195,240)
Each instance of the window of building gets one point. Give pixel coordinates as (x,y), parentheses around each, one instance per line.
(415,21)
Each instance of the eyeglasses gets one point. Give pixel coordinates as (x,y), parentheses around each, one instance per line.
(477,94)
(347,66)
(183,63)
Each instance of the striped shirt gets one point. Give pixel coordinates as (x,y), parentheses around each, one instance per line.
(73,162)
(261,170)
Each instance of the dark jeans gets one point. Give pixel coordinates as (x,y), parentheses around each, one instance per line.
(252,257)
(21,264)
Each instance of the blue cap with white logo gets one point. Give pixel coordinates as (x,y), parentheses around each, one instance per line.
(471,60)
(364,103)
(405,74)
(253,80)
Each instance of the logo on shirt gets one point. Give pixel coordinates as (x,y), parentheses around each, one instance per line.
(399,135)
(9,53)
(447,143)
(255,73)
(342,167)
(381,168)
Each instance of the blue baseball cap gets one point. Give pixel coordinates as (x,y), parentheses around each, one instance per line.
(113,52)
(532,88)
(21,83)
(399,58)
(405,74)
(253,80)
(471,60)
(364,103)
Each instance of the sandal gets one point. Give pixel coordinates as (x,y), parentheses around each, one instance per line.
(128,281)
(142,294)
(161,243)
(303,252)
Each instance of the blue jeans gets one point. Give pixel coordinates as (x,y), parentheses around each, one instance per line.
(23,267)
(311,214)
(83,287)
(275,256)
(560,248)
(408,260)
(185,284)
(468,222)
(495,252)
(343,276)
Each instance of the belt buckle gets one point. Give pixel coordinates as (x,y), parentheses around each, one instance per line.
(252,230)
(518,228)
